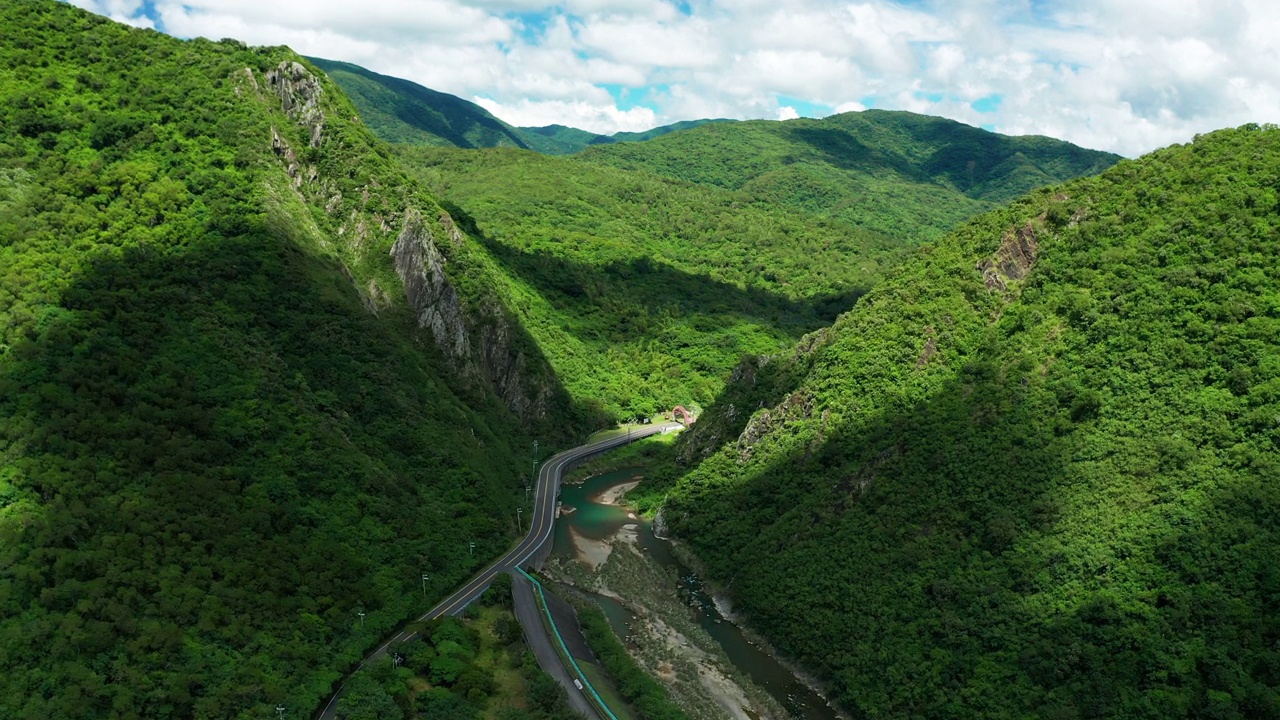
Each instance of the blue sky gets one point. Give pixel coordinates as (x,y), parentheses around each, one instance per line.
(1122,76)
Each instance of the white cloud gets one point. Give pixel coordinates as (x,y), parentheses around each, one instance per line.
(128,12)
(786,112)
(603,118)
(1123,75)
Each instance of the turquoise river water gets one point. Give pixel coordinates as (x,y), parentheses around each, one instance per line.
(598,521)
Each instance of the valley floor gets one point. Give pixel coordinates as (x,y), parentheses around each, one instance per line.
(665,641)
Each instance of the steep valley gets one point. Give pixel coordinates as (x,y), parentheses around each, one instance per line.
(989,426)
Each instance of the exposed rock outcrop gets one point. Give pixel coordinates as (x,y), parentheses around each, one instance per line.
(482,342)
(930,348)
(281,148)
(508,370)
(796,406)
(476,334)
(451,230)
(1018,251)
(299,92)
(427,288)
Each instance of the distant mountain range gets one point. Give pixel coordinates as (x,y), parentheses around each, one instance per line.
(402,111)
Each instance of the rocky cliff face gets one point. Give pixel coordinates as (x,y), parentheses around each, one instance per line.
(435,301)
(473,331)
(299,92)
(482,341)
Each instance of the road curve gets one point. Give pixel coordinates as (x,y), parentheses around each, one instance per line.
(540,526)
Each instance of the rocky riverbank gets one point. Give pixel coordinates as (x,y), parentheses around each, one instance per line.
(665,639)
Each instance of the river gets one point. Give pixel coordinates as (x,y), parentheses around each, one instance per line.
(598,521)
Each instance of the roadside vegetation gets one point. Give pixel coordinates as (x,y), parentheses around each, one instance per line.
(472,668)
(639,454)
(640,691)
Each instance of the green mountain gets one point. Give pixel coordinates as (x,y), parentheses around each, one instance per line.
(643,292)
(644,289)
(558,139)
(659,131)
(253,380)
(400,111)
(1033,472)
(404,112)
(260,370)
(910,176)
(562,140)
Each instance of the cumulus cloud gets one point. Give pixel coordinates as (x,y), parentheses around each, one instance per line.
(129,12)
(603,118)
(1122,75)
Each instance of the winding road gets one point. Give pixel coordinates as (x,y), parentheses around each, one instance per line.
(540,527)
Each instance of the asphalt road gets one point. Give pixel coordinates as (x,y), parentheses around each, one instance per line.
(541,645)
(540,526)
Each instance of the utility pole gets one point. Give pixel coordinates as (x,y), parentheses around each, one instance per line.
(519,521)
(526,493)
(280,709)
(471,547)
(424,584)
(361,614)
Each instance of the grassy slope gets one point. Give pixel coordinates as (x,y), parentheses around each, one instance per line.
(911,176)
(642,291)
(213,453)
(1054,500)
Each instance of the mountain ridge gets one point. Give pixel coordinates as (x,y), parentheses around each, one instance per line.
(1028,472)
(252,379)
(402,111)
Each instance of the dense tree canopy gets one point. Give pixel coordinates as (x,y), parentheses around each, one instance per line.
(646,270)
(222,433)
(1032,473)
(644,292)
(913,177)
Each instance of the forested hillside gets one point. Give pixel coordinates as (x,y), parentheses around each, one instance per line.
(401,111)
(644,292)
(644,289)
(911,176)
(1032,473)
(241,399)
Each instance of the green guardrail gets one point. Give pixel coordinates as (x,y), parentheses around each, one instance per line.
(564,649)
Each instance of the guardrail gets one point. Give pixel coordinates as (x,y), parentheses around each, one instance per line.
(592,696)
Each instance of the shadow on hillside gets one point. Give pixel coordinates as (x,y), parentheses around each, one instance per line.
(440,114)
(928,543)
(629,292)
(214,444)
(852,551)
(841,149)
